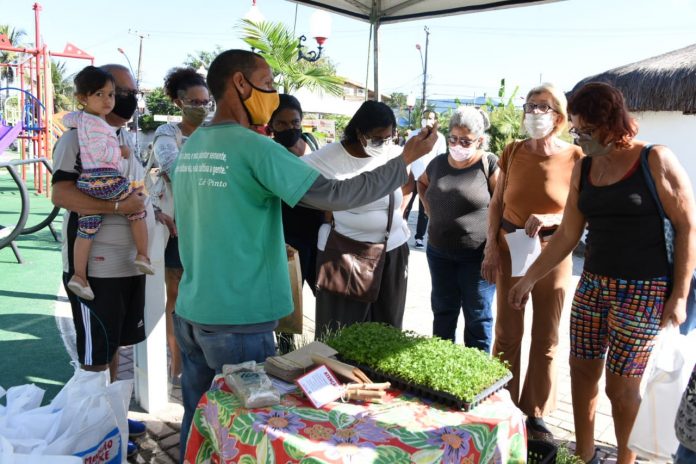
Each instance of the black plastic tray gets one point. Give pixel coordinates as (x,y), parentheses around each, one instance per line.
(541,452)
(421,391)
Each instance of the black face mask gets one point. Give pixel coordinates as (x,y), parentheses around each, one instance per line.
(288,138)
(125,106)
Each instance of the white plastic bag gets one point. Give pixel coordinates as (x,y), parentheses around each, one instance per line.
(86,419)
(666,377)
(9,456)
(93,423)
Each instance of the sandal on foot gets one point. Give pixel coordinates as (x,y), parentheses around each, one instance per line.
(144,266)
(595,457)
(83,291)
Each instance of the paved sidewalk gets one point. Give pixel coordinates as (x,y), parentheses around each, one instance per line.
(161,445)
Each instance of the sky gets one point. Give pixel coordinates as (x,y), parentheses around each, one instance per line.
(561,42)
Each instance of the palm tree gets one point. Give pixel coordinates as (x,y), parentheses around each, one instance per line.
(62,87)
(202,58)
(15,36)
(279,47)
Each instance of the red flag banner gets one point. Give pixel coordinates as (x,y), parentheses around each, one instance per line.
(72,50)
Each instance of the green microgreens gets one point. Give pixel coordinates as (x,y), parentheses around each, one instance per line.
(430,362)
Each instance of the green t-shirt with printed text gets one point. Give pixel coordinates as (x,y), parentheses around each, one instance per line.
(228,183)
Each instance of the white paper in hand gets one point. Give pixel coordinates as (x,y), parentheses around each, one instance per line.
(524,250)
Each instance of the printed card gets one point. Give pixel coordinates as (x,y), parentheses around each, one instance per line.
(320,386)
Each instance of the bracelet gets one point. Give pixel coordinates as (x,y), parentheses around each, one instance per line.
(116,207)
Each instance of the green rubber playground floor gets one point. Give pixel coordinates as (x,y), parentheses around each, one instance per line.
(31,347)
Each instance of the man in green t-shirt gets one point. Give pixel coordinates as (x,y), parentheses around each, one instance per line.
(228,185)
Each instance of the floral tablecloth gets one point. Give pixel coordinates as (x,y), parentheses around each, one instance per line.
(404,429)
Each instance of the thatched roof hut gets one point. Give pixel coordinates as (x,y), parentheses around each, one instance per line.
(662,83)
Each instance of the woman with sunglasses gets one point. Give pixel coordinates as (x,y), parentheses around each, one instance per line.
(188,91)
(530,195)
(625,294)
(455,190)
(366,144)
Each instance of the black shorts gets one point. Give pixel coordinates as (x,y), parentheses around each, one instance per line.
(114,318)
(171,254)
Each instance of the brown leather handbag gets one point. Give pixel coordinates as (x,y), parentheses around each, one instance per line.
(351,268)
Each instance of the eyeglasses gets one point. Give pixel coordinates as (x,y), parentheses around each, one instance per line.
(378,142)
(576,134)
(126,92)
(208,104)
(454,140)
(542,107)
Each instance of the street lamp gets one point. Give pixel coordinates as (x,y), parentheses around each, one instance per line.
(424,62)
(320,28)
(410,102)
(123,52)
(140,102)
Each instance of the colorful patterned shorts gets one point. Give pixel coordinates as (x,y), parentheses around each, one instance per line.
(104,184)
(620,315)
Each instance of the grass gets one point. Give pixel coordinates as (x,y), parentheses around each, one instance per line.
(31,348)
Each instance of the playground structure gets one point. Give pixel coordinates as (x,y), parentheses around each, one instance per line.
(27,119)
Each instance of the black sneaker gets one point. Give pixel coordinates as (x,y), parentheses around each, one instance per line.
(537,430)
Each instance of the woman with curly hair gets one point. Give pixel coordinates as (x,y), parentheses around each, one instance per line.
(188,91)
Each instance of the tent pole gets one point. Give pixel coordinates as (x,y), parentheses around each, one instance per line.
(377,6)
(376,60)
(367,66)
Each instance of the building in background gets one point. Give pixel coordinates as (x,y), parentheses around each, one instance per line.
(661,93)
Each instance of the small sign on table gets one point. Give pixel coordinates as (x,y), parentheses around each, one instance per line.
(320,386)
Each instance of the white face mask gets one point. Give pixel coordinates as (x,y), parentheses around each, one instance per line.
(539,126)
(459,153)
(376,151)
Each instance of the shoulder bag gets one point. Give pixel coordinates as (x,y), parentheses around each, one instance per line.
(351,268)
(668,231)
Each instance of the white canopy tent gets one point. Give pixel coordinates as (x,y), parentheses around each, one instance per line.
(377,12)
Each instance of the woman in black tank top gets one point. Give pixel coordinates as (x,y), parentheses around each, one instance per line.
(627,290)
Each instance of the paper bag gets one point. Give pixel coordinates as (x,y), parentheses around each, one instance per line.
(293,322)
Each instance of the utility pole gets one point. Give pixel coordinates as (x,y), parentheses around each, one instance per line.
(425,67)
(141,36)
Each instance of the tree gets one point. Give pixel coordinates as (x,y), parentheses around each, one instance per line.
(278,46)
(202,58)
(506,120)
(157,102)
(16,37)
(397,100)
(63,89)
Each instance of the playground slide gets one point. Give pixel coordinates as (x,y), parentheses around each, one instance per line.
(8,134)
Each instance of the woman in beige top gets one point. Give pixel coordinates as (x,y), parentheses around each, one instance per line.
(530,195)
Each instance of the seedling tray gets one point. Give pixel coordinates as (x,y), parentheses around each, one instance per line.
(541,452)
(424,392)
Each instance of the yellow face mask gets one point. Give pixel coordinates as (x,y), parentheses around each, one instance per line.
(261,104)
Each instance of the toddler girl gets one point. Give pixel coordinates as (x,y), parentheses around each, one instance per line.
(100,177)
